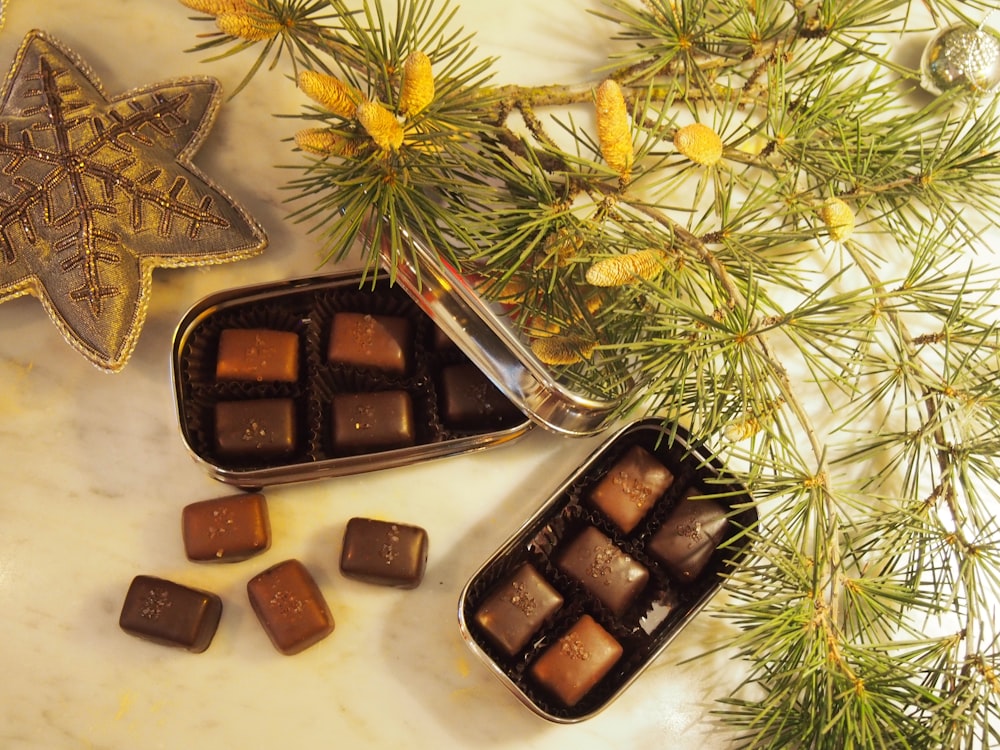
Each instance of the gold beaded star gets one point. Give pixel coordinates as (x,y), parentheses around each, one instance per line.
(97,191)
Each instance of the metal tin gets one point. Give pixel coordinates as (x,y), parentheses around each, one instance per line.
(305,306)
(484,331)
(666,604)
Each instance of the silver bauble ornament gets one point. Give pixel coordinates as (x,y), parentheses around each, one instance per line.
(962,58)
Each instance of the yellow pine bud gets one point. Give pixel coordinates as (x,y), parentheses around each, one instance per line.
(625,269)
(418,84)
(215,7)
(613,131)
(330,92)
(562,350)
(323,142)
(564,245)
(699,143)
(381,125)
(838,218)
(248,25)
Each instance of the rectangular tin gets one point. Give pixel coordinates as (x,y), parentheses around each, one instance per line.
(663,608)
(485,331)
(306,306)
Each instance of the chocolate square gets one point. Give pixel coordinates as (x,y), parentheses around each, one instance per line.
(255,428)
(603,569)
(170,614)
(470,401)
(257,354)
(688,538)
(631,488)
(363,422)
(380,342)
(226,529)
(389,554)
(517,608)
(290,606)
(573,665)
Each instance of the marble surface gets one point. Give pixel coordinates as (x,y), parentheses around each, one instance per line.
(94,476)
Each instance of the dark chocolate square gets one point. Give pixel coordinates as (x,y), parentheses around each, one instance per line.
(255,428)
(631,488)
(688,538)
(363,422)
(170,614)
(290,606)
(226,529)
(603,569)
(382,552)
(470,401)
(257,354)
(380,342)
(573,665)
(517,608)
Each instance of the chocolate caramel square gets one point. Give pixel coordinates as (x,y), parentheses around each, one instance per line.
(290,606)
(603,569)
(631,488)
(257,354)
(382,552)
(573,665)
(380,342)
(517,609)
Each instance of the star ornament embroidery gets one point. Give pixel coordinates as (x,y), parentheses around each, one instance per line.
(97,191)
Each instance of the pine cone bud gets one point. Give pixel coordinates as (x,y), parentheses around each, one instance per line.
(330,92)
(248,25)
(381,125)
(699,143)
(215,7)
(613,130)
(323,142)
(562,350)
(418,84)
(625,269)
(838,218)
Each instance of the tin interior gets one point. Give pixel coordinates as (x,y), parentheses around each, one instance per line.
(485,331)
(659,613)
(306,307)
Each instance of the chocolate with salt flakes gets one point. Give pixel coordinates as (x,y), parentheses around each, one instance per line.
(384,553)
(631,488)
(226,529)
(290,606)
(258,355)
(517,608)
(170,613)
(255,428)
(469,400)
(366,422)
(688,538)
(381,342)
(620,601)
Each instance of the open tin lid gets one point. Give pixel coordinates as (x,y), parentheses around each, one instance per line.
(484,331)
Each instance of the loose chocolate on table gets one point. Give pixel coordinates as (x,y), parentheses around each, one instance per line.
(363,422)
(469,400)
(517,609)
(226,529)
(381,342)
(170,614)
(255,428)
(577,661)
(689,537)
(611,576)
(290,606)
(631,488)
(382,552)
(257,354)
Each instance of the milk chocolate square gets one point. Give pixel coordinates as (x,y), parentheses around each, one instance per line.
(170,614)
(226,529)
(380,342)
(290,606)
(573,665)
(603,569)
(257,354)
(382,552)
(631,488)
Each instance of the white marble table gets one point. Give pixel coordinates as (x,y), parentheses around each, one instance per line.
(93,476)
